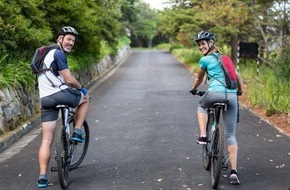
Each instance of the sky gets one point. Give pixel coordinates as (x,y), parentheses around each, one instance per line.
(157,4)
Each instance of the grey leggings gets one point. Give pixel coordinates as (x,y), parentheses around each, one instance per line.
(229,116)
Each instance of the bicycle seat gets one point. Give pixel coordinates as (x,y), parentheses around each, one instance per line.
(62,106)
(219,104)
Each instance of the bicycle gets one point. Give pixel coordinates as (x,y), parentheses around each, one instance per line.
(213,151)
(69,154)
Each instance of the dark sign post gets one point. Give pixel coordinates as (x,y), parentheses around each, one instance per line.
(249,50)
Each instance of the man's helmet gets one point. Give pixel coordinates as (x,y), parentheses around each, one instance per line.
(67,30)
(204,35)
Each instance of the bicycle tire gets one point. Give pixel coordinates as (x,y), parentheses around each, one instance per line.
(79,150)
(62,157)
(217,157)
(206,157)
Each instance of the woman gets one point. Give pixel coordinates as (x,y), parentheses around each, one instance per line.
(217,92)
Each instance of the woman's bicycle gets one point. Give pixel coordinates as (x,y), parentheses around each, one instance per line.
(69,154)
(213,151)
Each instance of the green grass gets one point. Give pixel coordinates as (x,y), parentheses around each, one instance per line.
(15,72)
(267,91)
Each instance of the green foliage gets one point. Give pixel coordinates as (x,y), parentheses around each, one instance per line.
(175,46)
(143,27)
(15,73)
(22,26)
(164,46)
(268,91)
(281,65)
(123,40)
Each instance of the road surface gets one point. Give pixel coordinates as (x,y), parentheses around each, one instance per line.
(144,128)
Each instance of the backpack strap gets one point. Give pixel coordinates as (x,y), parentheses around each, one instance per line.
(218,58)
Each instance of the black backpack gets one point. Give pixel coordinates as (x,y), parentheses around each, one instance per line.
(37,64)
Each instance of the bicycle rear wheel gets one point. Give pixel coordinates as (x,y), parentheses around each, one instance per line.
(206,157)
(62,157)
(79,150)
(217,157)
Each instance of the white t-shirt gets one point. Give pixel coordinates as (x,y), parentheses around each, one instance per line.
(58,58)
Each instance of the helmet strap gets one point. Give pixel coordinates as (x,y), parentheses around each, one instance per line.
(210,48)
(61,43)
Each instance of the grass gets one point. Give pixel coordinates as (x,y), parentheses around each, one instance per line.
(15,72)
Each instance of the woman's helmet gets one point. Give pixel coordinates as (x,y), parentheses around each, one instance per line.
(67,30)
(204,35)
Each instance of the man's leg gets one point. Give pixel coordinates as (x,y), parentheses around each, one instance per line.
(81,113)
(44,151)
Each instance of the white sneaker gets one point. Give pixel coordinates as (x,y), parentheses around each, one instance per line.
(234,178)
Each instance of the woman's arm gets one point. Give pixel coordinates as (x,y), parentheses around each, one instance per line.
(199,78)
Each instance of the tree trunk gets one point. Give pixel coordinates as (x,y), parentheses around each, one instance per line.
(234,45)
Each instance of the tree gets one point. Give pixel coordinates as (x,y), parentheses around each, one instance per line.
(22,26)
(227,19)
(145,27)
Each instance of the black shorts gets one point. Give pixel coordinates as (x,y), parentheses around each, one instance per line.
(69,97)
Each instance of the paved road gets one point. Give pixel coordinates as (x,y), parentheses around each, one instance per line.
(143,132)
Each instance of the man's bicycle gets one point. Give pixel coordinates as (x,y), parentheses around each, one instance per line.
(213,151)
(69,154)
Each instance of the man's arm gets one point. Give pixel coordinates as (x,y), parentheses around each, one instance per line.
(70,79)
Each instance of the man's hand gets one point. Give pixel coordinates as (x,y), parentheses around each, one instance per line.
(84,91)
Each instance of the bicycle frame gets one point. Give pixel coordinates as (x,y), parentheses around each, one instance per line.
(69,154)
(66,114)
(213,150)
(213,112)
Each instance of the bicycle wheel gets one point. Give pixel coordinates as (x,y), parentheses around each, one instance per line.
(62,157)
(217,157)
(206,156)
(78,151)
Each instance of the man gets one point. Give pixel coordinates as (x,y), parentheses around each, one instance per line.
(58,86)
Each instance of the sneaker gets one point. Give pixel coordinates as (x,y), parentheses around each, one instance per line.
(201,140)
(78,138)
(42,183)
(234,178)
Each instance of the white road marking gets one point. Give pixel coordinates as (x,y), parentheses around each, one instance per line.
(19,145)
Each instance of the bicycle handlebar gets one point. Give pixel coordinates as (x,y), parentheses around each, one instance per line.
(197,92)
(201,93)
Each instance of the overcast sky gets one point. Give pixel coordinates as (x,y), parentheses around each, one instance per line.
(157,4)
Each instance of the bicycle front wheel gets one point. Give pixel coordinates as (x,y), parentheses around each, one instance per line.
(206,155)
(62,156)
(217,157)
(79,150)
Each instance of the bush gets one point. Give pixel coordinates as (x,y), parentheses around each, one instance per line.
(272,95)
(164,46)
(175,46)
(190,57)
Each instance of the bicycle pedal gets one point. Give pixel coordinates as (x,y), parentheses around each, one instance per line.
(53,169)
(225,167)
